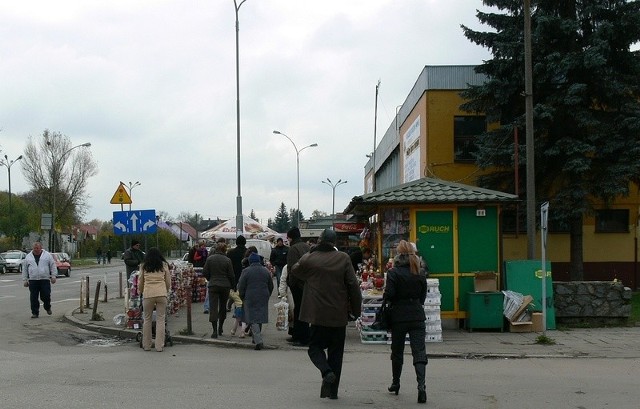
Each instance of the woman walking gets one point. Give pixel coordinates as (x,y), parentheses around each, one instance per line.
(155,281)
(405,291)
(255,287)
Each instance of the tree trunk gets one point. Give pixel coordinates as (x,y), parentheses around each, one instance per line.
(576,269)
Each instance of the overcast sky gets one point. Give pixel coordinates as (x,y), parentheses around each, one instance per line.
(151,84)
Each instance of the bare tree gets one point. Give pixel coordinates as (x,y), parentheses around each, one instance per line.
(58,174)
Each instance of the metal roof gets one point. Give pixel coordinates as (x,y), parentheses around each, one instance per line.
(425,191)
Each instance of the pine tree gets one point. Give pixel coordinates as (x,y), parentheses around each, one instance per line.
(282,222)
(586,98)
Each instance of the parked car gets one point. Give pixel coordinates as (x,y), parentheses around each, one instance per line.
(3,265)
(14,259)
(64,267)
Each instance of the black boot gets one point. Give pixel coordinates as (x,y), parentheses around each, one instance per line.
(396,369)
(214,324)
(421,369)
(221,322)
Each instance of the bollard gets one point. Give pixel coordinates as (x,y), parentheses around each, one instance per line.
(188,291)
(94,315)
(86,287)
(82,296)
(105,288)
(120,284)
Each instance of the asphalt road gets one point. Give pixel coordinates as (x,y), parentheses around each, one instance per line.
(45,362)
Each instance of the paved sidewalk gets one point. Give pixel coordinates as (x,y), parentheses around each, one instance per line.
(619,342)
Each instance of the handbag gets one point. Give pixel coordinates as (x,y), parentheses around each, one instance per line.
(382,321)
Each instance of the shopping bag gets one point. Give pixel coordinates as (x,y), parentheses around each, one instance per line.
(382,321)
(282,315)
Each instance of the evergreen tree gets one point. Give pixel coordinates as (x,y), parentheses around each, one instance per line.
(253,215)
(282,223)
(293,215)
(586,98)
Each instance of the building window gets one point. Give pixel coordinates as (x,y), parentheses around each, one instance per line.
(612,221)
(465,131)
(512,218)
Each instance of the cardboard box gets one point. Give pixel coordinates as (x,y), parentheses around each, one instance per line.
(485,282)
(526,300)
(524,326)
(536,320)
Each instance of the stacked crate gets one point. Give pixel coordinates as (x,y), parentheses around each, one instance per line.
(432,311)
(370,306)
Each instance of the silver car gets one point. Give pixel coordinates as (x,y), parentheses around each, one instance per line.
(14,259)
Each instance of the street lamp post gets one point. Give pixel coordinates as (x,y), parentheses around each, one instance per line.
(313,145)
(333,191)
(239,221)
(55,190)
(8,163)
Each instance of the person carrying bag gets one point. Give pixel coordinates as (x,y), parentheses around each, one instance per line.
(406,291)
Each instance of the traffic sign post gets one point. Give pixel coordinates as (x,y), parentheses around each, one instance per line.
(134,222)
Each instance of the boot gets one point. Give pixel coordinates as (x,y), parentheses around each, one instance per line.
(214,334)
(421,369)
(221,323)
(396,369)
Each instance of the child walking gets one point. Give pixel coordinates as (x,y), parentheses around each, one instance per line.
(238,313)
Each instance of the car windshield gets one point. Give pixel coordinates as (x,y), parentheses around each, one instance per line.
(12,255)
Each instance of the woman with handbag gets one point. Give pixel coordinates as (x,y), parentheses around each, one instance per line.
(405,292)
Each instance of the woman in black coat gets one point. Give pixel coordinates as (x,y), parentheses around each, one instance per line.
(405,291)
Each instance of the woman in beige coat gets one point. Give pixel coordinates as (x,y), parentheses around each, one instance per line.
(155,281)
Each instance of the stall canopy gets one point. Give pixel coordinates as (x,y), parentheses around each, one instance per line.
(252,230)
(425,191)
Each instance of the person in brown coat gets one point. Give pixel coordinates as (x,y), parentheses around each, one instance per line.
(218,270)
(330,291)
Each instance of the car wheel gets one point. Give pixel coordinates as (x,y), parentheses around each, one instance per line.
(2,270)
(68,272)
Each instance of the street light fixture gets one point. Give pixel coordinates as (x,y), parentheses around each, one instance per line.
(333,189)
(239,221)
(8,163)
(55,189)
(131,186)
(313,145)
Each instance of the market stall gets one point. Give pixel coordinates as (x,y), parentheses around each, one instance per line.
(455,228)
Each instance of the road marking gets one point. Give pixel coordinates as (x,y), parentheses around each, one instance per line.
(7,296)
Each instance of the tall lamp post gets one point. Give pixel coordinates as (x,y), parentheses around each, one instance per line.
(239,221)
(55,189)
(333,206)
(313,145)
(8,163)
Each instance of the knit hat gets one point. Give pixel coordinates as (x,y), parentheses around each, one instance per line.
(241,241)
(254,258)
(328,236)
(293,233)
(134,242)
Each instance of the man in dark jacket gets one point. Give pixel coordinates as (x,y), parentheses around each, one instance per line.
(331,290)
(278,258)
(297,247)
(236,255)
(132,257)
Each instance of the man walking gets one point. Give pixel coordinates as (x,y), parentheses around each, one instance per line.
(331,291)
(278,258)
(38,273)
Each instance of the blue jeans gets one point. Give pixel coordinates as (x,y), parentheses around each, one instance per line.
(41,289)
(278,275)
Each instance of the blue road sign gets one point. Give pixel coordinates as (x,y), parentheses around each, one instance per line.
(134,222)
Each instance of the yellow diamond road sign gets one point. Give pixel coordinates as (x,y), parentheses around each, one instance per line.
(121,196)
